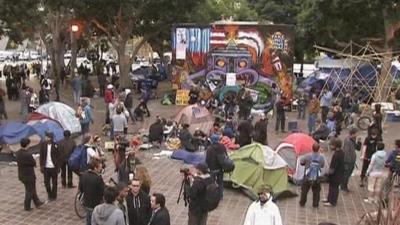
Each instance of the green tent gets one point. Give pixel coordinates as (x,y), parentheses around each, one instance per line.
(257,165)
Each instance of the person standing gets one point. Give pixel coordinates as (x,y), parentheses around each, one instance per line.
(66,146)
(26,174)
(368,149)
(301,111)
(160,214)
(108,213)
(198,212)
(280,115)
(86,117)
(313,110)
(3,112)
(326,99)
(76,84)
(261,130)
(263,211)
(313,163)
(119,122)
(139,208)
(335,174)
(350,145)
(215,156)
(91,185)
(108,99)
(49,165)
(102,79)
(123,190)
(128,102)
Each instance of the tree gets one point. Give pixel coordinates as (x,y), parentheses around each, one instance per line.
(124,19)
(334,23)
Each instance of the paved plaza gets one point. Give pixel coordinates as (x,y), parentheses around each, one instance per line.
(167,179)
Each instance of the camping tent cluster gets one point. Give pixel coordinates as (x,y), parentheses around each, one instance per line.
(52,117)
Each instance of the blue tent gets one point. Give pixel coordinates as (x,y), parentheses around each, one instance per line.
(13,132)
(43,126)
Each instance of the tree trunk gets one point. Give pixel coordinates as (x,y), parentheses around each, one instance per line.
(124,64)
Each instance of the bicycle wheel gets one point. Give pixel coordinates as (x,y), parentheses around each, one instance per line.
(78,205)
(364,122)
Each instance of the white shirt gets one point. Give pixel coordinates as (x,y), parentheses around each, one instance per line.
(49,161)
(91,153)
(268,214)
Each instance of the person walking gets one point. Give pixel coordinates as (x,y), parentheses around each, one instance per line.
(376,174)
(313,110)
(160,214)
(123,191)
(368,149)
(76,84)
(86,118)
(326,99)
(91,185)
(66,147)
(49,165)
(313,163)
(108,213)
(263,211)
(335,174)
(198,212)
(26,174)
(350,146)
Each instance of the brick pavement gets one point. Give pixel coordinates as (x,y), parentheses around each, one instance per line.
(166,179)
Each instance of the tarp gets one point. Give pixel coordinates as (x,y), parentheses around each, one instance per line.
(13,132)
(257,165)
(62,113)
(46,125)
(188,157)
(197,117)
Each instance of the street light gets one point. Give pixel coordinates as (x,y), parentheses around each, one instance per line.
(75,28)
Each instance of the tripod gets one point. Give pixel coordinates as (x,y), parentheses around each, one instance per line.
(185,185)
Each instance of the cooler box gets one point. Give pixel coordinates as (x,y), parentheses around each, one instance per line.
(293,126)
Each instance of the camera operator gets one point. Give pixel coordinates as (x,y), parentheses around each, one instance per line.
(197,195)
(215,156)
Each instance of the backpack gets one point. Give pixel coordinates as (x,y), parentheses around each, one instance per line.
(396,162)
(213,196)
(228,165)
(78,158)
(314,170)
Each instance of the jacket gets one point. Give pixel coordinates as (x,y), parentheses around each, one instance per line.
(128,101)
(55,155)
(197,194)
(313,106)
(160,217)
(26,164)
(138,214)
(108,96)
(260,134)
(215,156)
(76,84)
(186,140)
(268,214)
(66,147)
(107,214)
(349,148)
(92,186)
(88,115)
(377,165)
(326,99)
(156,132)
(336,169)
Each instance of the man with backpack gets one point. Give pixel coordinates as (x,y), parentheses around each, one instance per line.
(393,161)
(313,163)
(201,200)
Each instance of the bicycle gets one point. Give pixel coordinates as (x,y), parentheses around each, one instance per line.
(79,208)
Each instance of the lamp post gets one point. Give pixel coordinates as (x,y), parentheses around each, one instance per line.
(74,29)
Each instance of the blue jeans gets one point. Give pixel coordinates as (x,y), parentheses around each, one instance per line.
(311,122)
(89,216)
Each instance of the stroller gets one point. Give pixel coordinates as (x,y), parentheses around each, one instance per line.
(148,89)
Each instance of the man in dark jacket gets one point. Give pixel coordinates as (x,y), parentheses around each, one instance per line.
(128,102)
(187,139)
(156,131)
(215,156)
(245,130)
(139,209)
(66,146)
(26,174)
(91,185)
(49,165)
(197,195)
(335,174)
(160,215)
(350,146)
(261,128)
(280,115)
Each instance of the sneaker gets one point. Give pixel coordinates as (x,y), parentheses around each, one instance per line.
(40,204)
(28,209)
(328,204)
(325,201)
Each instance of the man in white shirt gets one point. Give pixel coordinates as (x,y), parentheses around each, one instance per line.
(263,211)
(49,165)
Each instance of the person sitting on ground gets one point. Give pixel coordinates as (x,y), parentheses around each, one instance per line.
(200,138)
(141,110)
(156,132)
(186,138)
(216,128)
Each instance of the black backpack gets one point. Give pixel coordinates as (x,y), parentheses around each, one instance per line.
(213,196)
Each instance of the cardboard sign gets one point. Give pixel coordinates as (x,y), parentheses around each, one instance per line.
(182,97)
(230,79)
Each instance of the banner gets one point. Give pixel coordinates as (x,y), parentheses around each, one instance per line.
(182,97)
(181,43)
(231,79)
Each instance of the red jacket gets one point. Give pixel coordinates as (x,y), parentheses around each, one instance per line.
(109,96)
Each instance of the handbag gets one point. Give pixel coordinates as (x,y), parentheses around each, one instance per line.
(228,165)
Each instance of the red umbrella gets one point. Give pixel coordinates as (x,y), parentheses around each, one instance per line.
(302,142)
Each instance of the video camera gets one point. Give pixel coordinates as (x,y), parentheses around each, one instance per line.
(185,185)
(185,171)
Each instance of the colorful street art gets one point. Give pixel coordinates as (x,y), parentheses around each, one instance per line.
(261,56)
